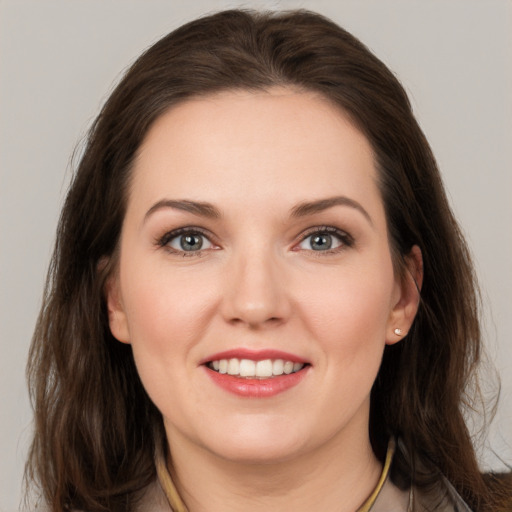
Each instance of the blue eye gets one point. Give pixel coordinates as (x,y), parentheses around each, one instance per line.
(186,241)
(325,239)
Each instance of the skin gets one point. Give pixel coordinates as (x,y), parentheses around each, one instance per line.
(259,284)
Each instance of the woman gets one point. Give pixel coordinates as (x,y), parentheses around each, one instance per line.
(259,297)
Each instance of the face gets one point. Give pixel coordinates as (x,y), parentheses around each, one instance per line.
(255,282)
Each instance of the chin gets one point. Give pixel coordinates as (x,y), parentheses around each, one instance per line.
(257,443)
(259,453)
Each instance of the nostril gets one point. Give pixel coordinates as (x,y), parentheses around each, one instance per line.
(272,321)
(255,304)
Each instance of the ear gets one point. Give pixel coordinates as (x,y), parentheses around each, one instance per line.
(407,298)
(116,314)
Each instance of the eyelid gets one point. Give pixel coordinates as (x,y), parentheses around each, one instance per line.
(163,241)
(344,237)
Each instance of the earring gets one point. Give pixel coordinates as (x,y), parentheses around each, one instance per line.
(398,331)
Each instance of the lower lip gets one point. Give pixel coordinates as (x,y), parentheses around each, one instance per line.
(256,388)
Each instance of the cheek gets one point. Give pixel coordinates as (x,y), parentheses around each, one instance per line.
(165,305)
(348,313)
(166,316)
(349,306)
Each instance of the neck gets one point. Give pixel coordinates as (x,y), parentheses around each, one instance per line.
(337,476)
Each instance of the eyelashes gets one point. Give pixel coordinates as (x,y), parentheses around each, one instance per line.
(325,240)
(194,241)
(187,241)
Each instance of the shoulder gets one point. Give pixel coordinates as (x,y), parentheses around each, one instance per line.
(152,500)
(440,498)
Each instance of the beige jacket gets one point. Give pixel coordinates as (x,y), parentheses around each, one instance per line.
(390,499)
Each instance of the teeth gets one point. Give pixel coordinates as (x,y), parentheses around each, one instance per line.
(233,367)
(277,367)
(258,369)
(288,367)
(223,366)
(264,368)
(247,368)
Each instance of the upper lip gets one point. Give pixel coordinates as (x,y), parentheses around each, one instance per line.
(254,355)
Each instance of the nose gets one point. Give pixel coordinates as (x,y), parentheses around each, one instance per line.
(255,291)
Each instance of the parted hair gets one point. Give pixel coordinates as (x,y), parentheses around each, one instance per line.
(95,426)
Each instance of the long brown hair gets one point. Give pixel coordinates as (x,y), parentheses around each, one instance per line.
(95,426)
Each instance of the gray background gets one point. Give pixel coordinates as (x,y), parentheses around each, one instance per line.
(59,60)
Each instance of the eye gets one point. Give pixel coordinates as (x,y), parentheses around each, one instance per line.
(325,239)
(186,241)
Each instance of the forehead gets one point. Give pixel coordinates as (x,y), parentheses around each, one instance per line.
(279,143)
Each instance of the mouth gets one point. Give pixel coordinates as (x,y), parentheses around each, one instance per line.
(250,369)
(256,374)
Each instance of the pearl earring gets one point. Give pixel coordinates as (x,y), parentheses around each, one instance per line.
(398,331)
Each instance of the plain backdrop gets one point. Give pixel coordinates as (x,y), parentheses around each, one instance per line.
(59,60)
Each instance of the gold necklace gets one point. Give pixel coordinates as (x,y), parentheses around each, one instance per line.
(177,505)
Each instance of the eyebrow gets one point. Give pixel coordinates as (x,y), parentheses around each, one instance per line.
(197,208)
(312,207)
(304,209)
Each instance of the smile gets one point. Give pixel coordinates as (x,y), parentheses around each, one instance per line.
(247,368)
(255,373)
